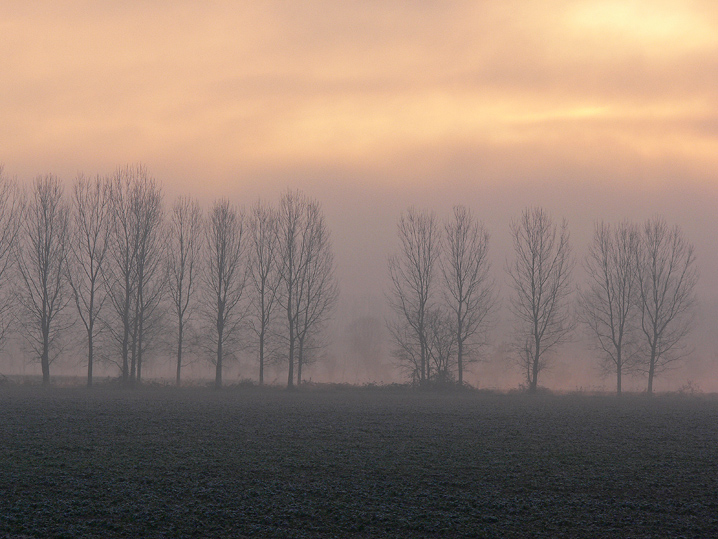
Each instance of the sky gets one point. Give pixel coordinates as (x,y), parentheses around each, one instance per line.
(591,109)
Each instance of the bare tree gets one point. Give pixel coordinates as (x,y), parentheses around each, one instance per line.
(289,226)
(406,350)
(41,258)
(317,289)
(441,344)
(412,271)
(305,263)
(263,274)
(183,260)
(10,227)
(119,272)
(150,241)
(87,253)
(540,276)
(468,288)
(224,278)
(667,276)
(132,275)
(608,303)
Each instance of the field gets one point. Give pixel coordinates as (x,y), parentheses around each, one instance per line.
(354,463)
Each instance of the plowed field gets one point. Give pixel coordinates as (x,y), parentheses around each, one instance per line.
(354,463)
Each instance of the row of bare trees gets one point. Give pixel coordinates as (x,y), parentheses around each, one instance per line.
(441,292)
(227,279)
(224,280)
(637,304)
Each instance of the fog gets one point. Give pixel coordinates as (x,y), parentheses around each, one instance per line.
(362,217)
(591,110)
(364,227)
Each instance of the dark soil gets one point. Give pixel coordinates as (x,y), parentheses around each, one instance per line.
(371,463)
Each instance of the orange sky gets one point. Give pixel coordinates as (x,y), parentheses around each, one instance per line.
(221,89)
(594,109)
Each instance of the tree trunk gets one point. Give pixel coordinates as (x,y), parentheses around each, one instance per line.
(135,335)
(45,356)
(290,375)
(45,370)
(619,367)
(140,328)
(422,346)
(125,352)
(261,355)
(290,320)
(127,332)
(139,354)
(651,370)
(125,364)
(90,333)
(133,355)
(460,361)
(218,373)
(300,360)
(650,381)
(534,368)
(90,351)
(45,366)
(179,353)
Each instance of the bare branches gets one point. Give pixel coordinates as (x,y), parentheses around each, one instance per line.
(412,271)
(183,263)
(223,278)
(113,255)
(317,285)
(306,270)
(88,248)
(442,343)
(667,276)
(41,258)
(119,272)
(540,276)
(264,274)
(11,207)
(150,239)
(440,324)
(468,288)
(132,275)
(289,230)
(641,282)
(609,305)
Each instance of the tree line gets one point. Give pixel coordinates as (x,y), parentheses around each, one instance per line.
(637,305)
(110,257)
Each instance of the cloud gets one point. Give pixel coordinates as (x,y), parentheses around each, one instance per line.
(226,87)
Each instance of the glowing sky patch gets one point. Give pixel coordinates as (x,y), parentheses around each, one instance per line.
(665,28)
